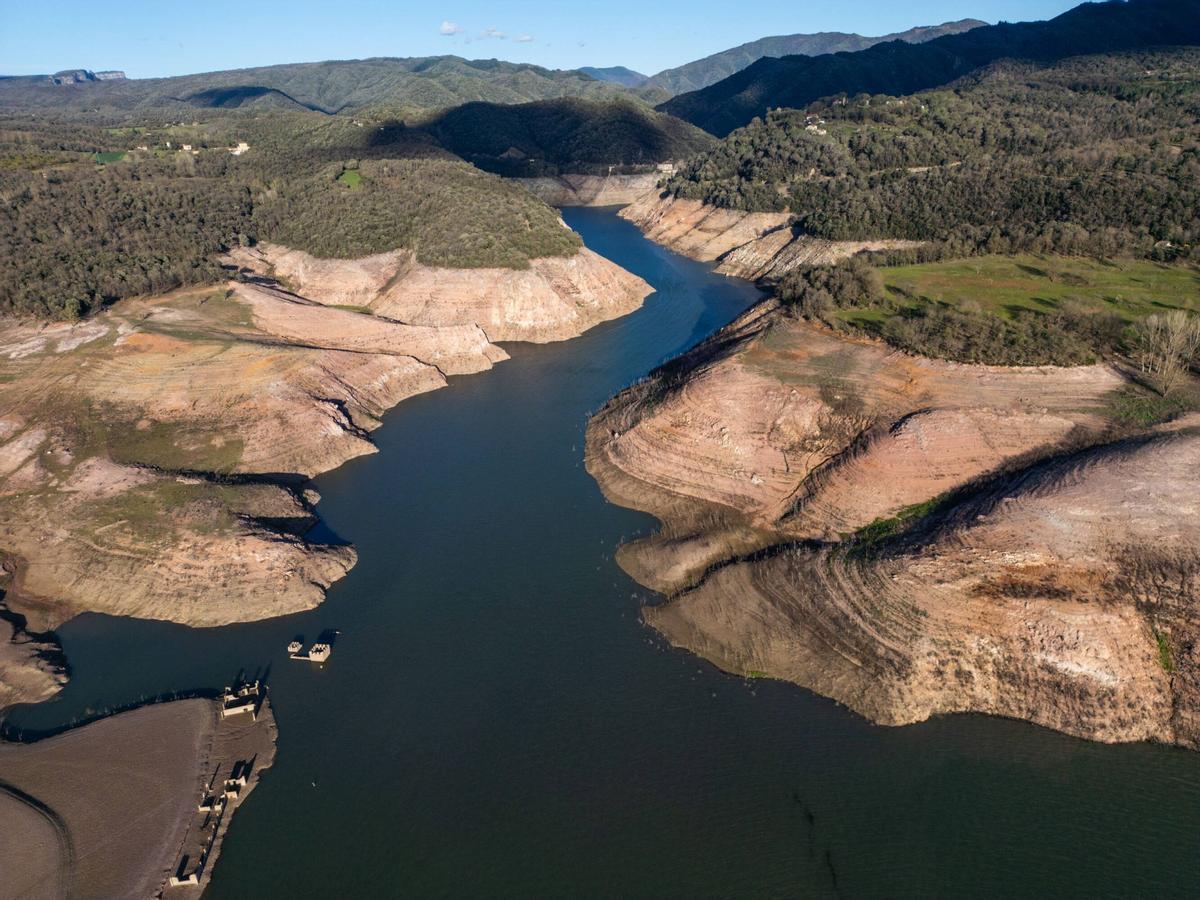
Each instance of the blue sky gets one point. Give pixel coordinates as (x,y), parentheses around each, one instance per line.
(173,37)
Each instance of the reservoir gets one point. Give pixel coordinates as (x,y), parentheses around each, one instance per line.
(495,720)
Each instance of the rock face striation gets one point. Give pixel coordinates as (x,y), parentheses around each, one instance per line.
(754,245)
(592,190)
(697,230)
(913,537)
(556,298)
(152,458)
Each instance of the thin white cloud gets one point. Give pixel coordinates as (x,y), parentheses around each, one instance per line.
(494,33)
(449,29)
(524,39)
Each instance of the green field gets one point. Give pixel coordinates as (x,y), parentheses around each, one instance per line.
(1007,284)
(350,178)
(109,156)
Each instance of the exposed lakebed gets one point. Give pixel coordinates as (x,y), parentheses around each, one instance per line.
(496,720)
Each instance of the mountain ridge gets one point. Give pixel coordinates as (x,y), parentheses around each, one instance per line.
(900,68)
(329,86)
(700,73)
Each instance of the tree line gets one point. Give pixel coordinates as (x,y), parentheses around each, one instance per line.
(75,234)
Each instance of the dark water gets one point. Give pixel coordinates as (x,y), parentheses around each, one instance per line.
(495,720)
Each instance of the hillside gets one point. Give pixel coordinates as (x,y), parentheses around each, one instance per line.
(914,538)
(335,86)
(550,137)
(702,72)
(900,68)
(90,218)
(1095,155)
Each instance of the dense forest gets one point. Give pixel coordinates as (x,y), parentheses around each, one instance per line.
(900,68)
(550,137)
(1096,155)
(87,217)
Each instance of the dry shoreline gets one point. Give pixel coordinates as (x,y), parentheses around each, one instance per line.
(152,461)
(110,808)
(593,190)
(152,458)
(757,246)
(994,504)
(913,537)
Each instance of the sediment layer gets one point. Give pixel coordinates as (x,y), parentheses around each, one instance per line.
(591,190)
(756,246)
(556,298)
(914,537)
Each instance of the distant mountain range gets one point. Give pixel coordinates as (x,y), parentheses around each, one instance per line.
(782,71)
(901,68)
(331,87)
(711,69)
(418,82)
(617,75)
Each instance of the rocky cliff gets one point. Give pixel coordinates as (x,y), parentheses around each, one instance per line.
(591,190)
(914,537)
(152,458)
(554,299)
(755,246)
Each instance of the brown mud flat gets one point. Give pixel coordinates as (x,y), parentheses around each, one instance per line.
(110,808)
(153,458)
(913,537)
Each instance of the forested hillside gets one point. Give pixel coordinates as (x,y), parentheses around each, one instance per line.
(1096,155)
(711,69)
(85,221)
(549,137)
(899,68)
(337,86)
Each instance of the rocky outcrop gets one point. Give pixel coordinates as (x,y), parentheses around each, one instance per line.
(755,246)
(696,230)
(914,537)
(28,672)
(151,458)
(776,253)
(591,190)
(554,299)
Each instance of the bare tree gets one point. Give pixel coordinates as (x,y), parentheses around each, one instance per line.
(1168,346)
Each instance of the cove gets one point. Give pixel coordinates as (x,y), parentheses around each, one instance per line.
(496,721)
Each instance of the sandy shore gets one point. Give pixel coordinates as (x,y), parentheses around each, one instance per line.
(111,809)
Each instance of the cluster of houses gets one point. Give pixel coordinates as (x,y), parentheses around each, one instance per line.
(237,150)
